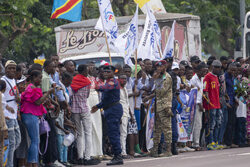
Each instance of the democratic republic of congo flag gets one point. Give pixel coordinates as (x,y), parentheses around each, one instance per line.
(67,9)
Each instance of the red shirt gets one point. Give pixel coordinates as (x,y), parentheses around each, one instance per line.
(212,85)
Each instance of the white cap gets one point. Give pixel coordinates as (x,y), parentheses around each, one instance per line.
(175,65)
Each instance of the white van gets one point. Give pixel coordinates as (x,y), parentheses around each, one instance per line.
(97,57)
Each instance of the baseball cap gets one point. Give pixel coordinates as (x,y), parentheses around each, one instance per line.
(160,63)
(175,65)
(184,63)
(216,63)
(10,62)
(195,59)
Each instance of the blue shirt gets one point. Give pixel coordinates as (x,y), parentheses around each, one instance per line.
(230,87)
(56,79)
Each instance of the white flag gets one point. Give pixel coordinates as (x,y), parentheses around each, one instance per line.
(108,21)
(168,51)
(149,46)
(127,42)
(156,28)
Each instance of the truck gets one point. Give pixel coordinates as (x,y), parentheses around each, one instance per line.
(80,41)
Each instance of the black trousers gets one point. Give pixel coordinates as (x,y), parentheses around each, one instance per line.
(142,132)
(230,137)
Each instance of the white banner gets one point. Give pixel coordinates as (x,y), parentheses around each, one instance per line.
(155,5)
(168,51)
(182,134)
(127,42)
(150,126)
(108,21)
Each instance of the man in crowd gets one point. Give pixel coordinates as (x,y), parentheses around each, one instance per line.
(197,82)
(163,113)
(81,115)
(12,97)
(229,77)
(195,60)
(70,67)
(211,91)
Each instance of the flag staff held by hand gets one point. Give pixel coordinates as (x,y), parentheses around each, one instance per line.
(135,73)
(110,59)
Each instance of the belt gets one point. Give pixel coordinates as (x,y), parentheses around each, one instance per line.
(10,100)
(110,105)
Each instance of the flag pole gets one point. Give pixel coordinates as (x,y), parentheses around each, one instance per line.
(135,72)
(106,39)
(159,50)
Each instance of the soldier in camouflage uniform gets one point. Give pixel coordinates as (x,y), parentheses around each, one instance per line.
(163,112)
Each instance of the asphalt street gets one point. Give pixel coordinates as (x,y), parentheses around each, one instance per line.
(237,157)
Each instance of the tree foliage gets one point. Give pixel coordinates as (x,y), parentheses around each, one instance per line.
(26,30)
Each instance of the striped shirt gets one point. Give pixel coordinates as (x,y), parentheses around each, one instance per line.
(79,100)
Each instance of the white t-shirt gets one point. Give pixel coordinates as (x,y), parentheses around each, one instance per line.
(129,87)
(197,83)
(10,97)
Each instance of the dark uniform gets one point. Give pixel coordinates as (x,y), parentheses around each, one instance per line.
(174,106)
(112,112)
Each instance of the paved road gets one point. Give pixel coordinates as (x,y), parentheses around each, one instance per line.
(238,157)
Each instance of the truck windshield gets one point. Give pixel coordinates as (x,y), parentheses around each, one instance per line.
(115,61)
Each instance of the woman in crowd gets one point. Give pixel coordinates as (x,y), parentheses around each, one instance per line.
(32,110)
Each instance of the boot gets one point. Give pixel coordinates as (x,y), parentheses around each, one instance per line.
(168,152)
(154,152)
(117,160)
(174,149)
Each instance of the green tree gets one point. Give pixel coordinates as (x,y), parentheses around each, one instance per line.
(220,21)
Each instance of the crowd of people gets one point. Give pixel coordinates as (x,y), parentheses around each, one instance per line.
(61,114)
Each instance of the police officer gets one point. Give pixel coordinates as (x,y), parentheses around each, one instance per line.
(113,112)
(163,94)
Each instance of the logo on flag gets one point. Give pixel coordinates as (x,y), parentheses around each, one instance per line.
(107,21)
(67,9)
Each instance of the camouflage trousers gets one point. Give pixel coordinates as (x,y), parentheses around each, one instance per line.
(162,125)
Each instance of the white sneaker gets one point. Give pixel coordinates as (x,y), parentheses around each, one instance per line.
(189,149)
(59,164)
(182,150)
